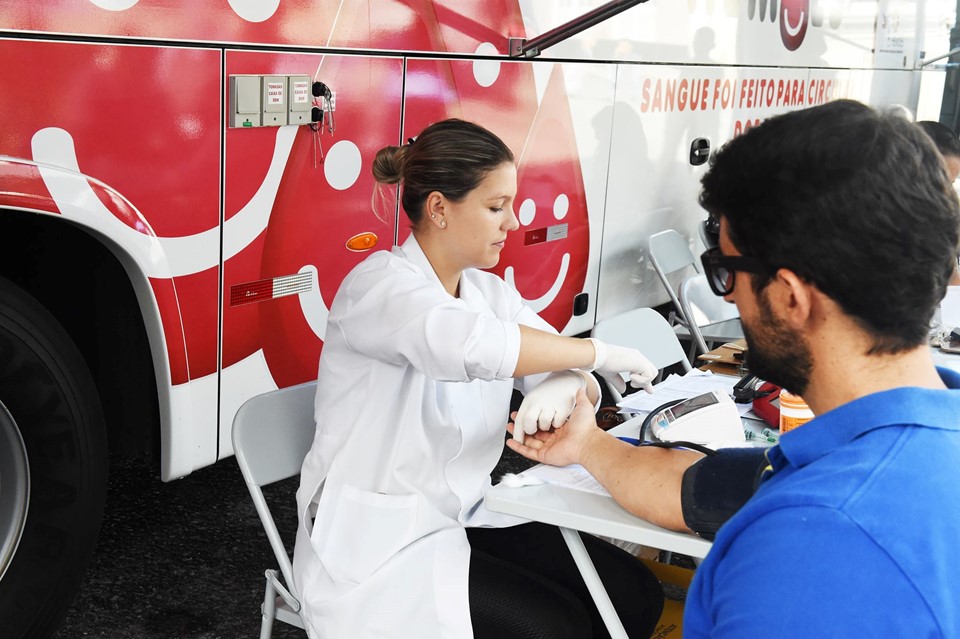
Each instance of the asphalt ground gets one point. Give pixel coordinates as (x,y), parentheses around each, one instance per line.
(185,559)
(180,559)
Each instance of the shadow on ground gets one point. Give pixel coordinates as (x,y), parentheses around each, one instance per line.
(185,559)
(182,559)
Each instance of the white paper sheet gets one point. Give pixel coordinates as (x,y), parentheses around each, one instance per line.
(574,476)
(675,387)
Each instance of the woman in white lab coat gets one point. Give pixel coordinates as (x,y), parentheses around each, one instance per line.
(421,356)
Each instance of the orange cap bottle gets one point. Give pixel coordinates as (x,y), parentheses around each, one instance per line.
(793,411)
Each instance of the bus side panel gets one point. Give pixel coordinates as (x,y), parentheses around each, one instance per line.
(797,33)
(134,118)
(559,201)
(590,92)
(448,26)
(145,121)
(653,186)
(295,199)
(142,120)
(888,34)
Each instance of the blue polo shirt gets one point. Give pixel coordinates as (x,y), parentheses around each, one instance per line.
(855,533)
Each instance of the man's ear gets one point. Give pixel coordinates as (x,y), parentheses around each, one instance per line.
(792,298)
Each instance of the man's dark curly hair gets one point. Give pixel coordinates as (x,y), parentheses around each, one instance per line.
(851,200)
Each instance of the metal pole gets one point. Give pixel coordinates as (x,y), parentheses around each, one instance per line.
(590,577)
(939,57)
(949,112)
(520,47)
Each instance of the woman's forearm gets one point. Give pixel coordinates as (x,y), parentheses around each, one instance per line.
(543,352)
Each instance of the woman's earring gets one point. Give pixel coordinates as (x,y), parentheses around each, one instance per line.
(443,224)
(433,215)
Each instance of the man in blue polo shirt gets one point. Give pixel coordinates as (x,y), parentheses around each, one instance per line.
(838,234)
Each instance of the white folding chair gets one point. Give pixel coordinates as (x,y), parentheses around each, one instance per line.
(272,433)
(647,331)
(670,253)
(650,333)
(709,317)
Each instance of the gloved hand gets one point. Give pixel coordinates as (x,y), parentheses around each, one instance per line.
(549,404)
(612,360)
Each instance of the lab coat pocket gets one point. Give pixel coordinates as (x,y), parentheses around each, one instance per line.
(366,530)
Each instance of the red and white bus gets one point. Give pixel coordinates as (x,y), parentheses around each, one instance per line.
(169,244)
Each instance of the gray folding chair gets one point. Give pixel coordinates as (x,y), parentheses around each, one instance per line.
(670,254)
(647,331)
(272,433)
(709,318)
(650,333)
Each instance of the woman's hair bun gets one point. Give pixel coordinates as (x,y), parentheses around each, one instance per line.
(388,164)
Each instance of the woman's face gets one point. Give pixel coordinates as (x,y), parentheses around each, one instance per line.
(477,226)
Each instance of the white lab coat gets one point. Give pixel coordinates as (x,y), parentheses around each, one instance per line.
(412,402)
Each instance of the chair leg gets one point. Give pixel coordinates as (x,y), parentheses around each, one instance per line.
(269,611)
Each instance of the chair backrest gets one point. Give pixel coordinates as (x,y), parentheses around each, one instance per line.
(702,307)
(709,240)
(670,252)
(647,331)
(272,433)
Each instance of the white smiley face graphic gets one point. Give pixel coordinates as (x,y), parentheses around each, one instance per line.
(794,16)
(526,214)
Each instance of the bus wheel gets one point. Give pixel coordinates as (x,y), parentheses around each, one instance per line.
(53,466)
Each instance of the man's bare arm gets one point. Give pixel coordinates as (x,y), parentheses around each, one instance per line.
(644,480)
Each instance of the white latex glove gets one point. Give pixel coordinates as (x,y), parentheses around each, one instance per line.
(612,360)
(548,404)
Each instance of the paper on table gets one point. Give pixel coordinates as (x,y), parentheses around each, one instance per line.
(574,476)
(695,382)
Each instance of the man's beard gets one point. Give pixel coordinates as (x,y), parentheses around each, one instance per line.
(775,352)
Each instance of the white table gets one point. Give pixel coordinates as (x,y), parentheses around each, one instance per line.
(575,510)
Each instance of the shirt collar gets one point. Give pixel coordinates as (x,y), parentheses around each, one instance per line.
(924,407)
(412,251)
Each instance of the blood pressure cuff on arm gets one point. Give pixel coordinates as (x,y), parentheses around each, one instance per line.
(718,485)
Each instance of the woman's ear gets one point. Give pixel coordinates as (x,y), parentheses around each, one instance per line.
(435,209)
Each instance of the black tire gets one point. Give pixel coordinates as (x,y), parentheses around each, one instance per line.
(53,402)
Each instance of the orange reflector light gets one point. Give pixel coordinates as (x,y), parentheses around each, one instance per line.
(362,241)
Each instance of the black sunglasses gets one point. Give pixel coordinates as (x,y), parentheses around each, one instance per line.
(720,269)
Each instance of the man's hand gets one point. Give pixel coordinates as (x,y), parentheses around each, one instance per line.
(561,446)
(646,480)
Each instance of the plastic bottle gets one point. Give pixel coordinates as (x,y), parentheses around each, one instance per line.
(793,411)
(749,435)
